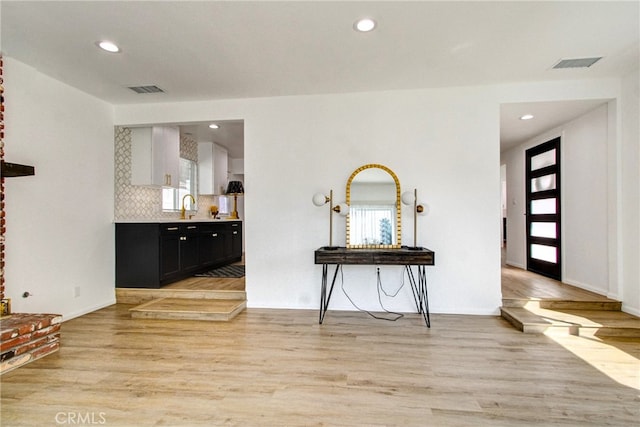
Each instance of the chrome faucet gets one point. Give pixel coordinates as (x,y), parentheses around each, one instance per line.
(182,210)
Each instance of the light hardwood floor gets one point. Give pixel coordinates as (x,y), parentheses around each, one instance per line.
(281,368)
(209,283)
(518,283)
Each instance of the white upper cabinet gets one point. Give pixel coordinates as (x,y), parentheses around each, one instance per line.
(212,168)
(155,156)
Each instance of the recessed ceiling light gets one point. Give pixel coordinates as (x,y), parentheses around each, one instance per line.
(214,126)
(364,25)
(526,117)
(108,46)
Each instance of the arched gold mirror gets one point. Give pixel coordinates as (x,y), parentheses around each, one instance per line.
(373,196)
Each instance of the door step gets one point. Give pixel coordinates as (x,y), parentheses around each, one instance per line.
(558,304)
(599,323)
(142,295)
(189,309)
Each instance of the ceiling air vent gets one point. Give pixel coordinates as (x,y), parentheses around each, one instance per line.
(576,63)
(146,89)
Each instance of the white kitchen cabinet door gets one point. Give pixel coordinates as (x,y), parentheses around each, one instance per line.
(155,156)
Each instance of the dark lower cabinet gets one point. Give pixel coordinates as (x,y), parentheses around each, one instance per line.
(212,246)
(150,255)
(189,253)
(236,240)
(169,254)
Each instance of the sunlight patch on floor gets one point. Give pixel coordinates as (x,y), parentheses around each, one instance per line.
(615,363)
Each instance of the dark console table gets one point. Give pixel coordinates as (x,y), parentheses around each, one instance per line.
(418,257)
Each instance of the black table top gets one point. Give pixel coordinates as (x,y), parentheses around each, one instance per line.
(401,256)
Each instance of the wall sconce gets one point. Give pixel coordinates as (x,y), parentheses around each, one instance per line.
(320,199)
(235,188)
(419,208)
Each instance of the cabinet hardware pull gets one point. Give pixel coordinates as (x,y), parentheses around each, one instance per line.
(172,228)
(191,227)
(183,238)
(215,235)
(234,225)
(235,232)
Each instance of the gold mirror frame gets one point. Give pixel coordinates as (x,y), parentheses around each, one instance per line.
(398,243)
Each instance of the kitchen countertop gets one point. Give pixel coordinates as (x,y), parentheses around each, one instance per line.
(170,220)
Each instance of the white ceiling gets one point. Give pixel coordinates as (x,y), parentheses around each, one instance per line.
(222,49)
(230,134)
(546,116)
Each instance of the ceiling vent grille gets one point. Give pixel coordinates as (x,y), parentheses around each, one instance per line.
(576,63)
(146,89)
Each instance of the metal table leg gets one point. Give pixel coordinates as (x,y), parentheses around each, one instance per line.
(419,290)
(324,297)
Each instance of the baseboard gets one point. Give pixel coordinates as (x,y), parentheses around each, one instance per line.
(515,264)
(631,310)
(585,287)
(469,311)
(88,310)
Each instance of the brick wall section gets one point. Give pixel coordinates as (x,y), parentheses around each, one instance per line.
(2,219)
(25,337)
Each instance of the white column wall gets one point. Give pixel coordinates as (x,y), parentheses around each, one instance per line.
(630,194)
(585,202)
(60,236)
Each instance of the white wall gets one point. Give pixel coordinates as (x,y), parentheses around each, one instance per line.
(59,222)
(584,200)
(324,139)
(629,247)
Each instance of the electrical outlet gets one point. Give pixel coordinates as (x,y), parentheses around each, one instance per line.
(6,307)
(76,291)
